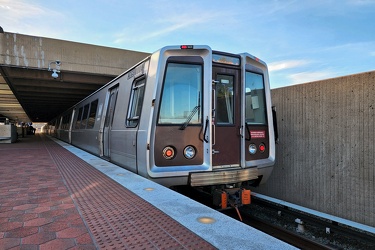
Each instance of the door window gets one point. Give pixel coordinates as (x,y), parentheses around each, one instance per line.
(224,100)
(111,107)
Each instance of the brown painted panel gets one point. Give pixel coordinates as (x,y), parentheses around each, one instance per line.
(227,137)
(227,143)
(178,139)
(259,134)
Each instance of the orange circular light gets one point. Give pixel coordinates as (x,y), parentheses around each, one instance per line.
(168,152)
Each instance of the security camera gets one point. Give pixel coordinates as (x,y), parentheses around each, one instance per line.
(56,70)
(54,74)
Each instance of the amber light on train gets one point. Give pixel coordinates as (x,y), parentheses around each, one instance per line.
(168,152)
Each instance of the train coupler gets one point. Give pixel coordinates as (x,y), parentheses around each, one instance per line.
(232,197)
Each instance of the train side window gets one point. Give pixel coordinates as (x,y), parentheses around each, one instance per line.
(67,120)
(92,114)
(59,123)
(62,126)
(136,103)
(85,114)
(79,117)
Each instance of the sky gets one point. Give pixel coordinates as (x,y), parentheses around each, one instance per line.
(300,40)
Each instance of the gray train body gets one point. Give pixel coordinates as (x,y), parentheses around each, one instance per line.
(185,115)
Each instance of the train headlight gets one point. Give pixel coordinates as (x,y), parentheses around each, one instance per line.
(252,149)
(168,152)
(189,152)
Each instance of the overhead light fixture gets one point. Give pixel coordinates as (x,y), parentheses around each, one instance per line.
(56,70)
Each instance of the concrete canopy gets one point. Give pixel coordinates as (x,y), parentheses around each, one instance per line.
(43,97)
(28,92)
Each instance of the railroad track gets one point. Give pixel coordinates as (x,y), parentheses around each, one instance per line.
(278,232)
(333,234)
(279,222)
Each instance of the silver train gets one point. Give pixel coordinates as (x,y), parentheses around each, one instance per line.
(185,115)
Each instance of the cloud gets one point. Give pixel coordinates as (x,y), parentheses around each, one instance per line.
(167,27)
(356,46)
(361,2)
(19,9)
(304,77)
(180,17)
(28,18)
(288,64)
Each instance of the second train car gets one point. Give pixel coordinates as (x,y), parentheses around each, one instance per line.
(184,116)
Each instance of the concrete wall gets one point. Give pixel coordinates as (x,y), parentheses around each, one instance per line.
(326,155)
(37,52)
(84,68)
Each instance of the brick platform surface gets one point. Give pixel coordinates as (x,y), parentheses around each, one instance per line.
(51,199)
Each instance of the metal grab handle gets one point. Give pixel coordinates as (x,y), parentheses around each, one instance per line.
(205,130)
(213,132)
(248,132)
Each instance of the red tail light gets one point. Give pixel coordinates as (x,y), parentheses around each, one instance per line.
(187,47)
(262,148)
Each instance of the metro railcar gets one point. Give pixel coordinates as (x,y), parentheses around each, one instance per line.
(185,115)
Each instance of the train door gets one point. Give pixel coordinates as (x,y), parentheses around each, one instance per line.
(109,120)
(226,122)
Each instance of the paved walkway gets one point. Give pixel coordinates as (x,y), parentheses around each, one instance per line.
(51,199)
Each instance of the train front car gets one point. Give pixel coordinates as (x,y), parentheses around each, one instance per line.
(211,122)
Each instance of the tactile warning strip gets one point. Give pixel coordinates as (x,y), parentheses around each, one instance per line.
(116,217)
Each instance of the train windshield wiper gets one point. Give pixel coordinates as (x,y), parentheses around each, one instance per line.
(188,119)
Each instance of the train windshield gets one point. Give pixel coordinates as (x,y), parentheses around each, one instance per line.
(255,110)
(181,99)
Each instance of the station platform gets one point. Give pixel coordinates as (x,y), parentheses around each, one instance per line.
(56,196)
